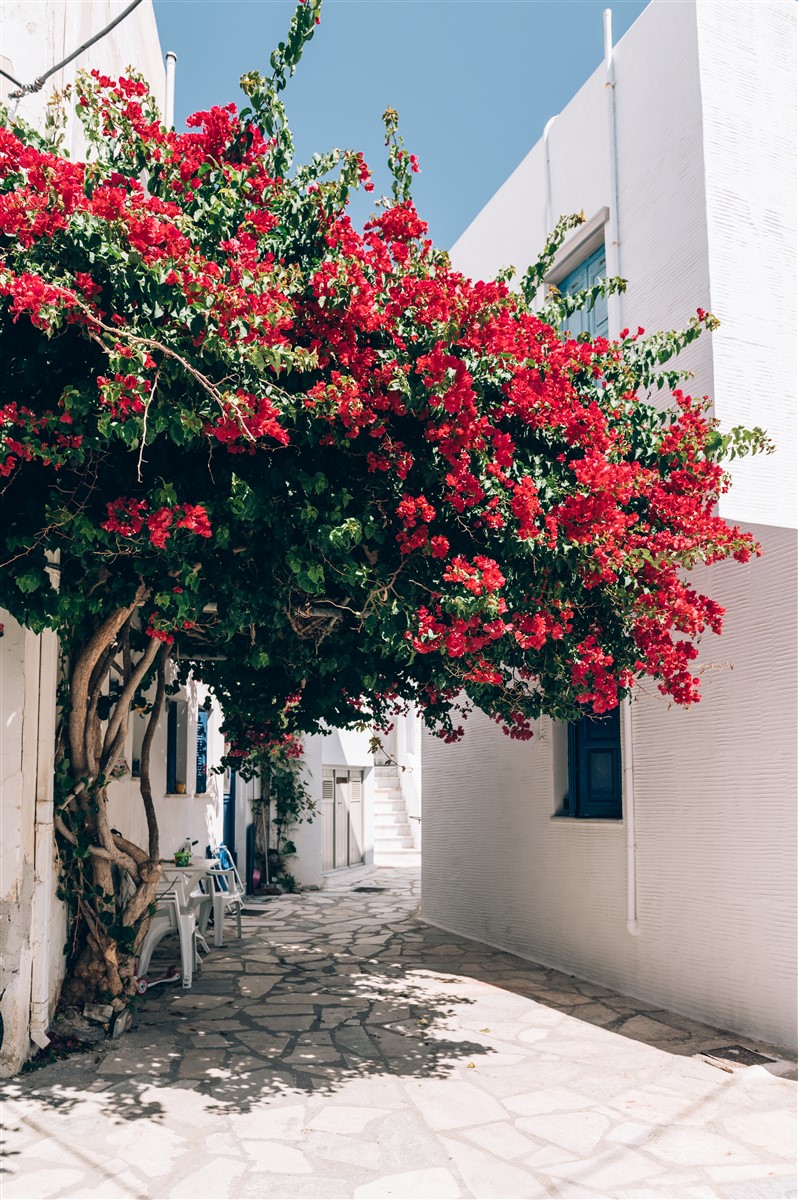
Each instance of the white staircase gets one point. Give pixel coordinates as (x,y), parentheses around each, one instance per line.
(393,840)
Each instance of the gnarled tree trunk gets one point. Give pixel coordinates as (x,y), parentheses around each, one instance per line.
(109,882)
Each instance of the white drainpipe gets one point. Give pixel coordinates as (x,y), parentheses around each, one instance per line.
(549,218)
(612,240)
(632,923)
(169,106)
(615,313)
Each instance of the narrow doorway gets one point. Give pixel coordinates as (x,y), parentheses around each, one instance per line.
(341,818)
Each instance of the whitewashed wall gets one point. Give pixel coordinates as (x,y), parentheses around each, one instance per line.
(749,89)
(662,206)
(408,757)
(35,35)
(715,832)
(39,33)
(195,815)
(706,115)
(698,85)
(32,921)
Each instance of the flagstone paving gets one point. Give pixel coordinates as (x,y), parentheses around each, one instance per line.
(343,1049)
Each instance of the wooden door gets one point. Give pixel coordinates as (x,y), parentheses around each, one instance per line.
(355,817)
(341,818)
(328,821)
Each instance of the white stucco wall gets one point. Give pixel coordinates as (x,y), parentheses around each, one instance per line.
(198,816)
(33,36)
(36,35)
(715,829)
(705,103)
(662,204)
(697,86)
(32,920)
(749,87)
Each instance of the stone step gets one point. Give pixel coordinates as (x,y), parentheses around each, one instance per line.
(403,843)
(386,772)
(399,828)
(387,794)
(389,809)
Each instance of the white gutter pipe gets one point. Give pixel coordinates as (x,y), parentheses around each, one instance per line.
(546,131)
(549,218)
(632,924)
(169,106)
(612,240)
(615,314)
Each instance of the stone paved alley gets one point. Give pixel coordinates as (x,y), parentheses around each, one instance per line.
(342,1049)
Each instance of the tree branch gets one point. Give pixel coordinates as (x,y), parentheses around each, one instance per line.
(145,784)
(81,675)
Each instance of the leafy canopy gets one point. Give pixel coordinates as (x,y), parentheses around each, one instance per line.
(339,473)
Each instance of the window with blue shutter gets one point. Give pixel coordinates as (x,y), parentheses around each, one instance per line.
(595,320)
(594,767)
(176,745)
(202,751)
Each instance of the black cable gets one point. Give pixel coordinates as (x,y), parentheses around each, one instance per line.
(27,89)
(10,78)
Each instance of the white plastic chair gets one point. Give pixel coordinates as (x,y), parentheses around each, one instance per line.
(176,913)
(227,895)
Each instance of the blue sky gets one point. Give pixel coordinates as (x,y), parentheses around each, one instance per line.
(474,81)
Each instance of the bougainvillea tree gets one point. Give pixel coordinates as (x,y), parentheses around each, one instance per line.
(313,463)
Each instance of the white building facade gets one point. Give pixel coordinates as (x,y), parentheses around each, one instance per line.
(680,149)
(36,36)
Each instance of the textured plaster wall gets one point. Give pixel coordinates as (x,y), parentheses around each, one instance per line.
(36,34)
(716,835)
(749,87)
(17,788)
(707,172)
(32,922)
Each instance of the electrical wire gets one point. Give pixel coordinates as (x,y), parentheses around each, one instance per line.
(10,78)
(26,89)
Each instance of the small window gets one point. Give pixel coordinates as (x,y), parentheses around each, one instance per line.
(595,320)
(176,746)
(140,722)
(202,751)
(594,768)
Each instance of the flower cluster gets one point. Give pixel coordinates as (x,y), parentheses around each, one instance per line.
(129,517)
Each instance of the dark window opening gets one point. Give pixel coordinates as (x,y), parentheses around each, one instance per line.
(202,751)
(594,767)
(176,741)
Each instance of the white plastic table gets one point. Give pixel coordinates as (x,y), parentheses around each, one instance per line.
(189,876)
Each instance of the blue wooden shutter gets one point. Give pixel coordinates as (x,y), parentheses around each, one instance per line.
(595,320)
(171,747)
(594,767)
(202,751)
